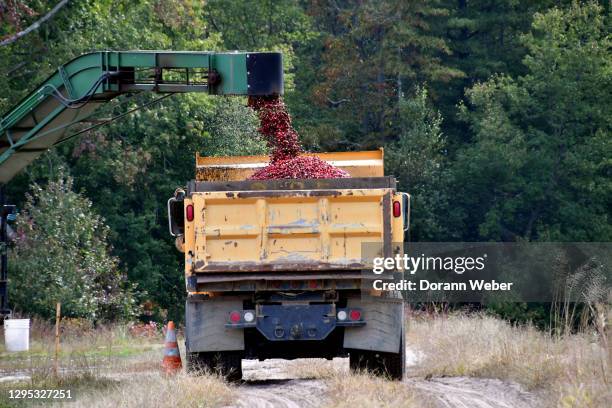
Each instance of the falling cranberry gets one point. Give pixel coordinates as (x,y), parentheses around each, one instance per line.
(301,167)
(286,161)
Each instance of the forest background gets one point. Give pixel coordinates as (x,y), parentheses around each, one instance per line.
(494,115)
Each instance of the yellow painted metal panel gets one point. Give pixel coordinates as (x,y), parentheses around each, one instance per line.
(231,168)
(269,229)
(398,223)
(199,250)
(189,237)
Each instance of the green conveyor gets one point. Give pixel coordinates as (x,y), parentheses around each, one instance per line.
(78,88)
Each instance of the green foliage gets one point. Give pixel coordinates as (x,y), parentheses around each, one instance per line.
(541,142)
(484,39)
(521,313)
(232,130)
(417,159)
(494,114)
(262,25)
(370,52)
(62,255)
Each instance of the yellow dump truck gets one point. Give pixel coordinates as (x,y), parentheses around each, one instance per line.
(275,268)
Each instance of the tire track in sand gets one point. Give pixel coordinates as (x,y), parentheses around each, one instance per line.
(466,392)
(268,385)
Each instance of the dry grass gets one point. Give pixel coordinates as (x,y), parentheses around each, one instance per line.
(155,390)
(357,390)
(107,367)
(82,348)
(310,368)
(151,389)
(572,371)
(365,391)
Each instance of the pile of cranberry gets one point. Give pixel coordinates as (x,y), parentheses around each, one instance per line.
(286,161)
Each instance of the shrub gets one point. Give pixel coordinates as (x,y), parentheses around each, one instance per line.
(61,254)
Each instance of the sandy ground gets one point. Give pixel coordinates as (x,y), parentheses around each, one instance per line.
(268,384)
(274,384)
(464,392)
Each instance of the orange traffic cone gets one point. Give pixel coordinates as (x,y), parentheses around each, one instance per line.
(172,358)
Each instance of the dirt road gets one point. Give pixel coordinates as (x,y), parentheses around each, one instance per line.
(271,384)
(464,392)
(268,384)
(306,384)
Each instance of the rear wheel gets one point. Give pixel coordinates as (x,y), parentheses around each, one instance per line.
(225,363)
(392,365)
(395,363)
(229,365)
(362,360)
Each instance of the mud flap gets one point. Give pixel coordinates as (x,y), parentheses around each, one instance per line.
(384,322)
(205,326)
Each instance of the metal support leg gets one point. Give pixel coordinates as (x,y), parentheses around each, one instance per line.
(5,210)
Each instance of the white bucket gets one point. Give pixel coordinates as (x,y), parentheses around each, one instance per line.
(17,334)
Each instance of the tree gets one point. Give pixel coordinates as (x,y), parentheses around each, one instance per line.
(12,38)
(372,51)
(62,255)
(130,168)
(262,25)
(538,166)
(418,160)
(484,39)
(231,130)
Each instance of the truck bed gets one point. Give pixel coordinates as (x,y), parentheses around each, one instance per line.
(281,226)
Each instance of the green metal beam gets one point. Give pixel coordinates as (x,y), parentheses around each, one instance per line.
(86,82)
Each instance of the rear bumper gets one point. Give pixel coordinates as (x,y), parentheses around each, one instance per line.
(208,328)
(296,322)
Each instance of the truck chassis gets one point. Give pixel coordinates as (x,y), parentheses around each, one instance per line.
(260,310)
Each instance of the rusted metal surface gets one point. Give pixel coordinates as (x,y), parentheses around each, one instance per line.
(294,184)
(272,267)
(279,285)
(277,276)
(387,232)
(239,229)
(281,281)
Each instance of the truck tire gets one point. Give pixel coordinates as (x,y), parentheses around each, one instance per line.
(395,363)
(225,363)
(362,360)
(392,365)
(229,365)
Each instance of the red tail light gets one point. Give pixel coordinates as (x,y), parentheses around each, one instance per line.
(397,209)
(355,315)
(234,317)
(189,212)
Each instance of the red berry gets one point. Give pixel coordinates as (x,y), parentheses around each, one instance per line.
(285,160)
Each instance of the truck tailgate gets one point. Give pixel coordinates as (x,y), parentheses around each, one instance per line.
(280,230)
